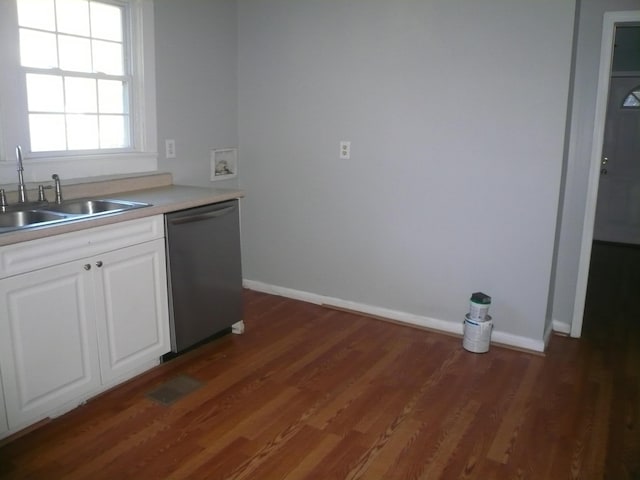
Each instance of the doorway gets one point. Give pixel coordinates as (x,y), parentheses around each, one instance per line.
(612,21)
(618,207)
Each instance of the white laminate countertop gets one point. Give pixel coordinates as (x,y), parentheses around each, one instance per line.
(163,199)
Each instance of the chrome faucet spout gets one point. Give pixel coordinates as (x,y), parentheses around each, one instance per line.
(22,190)
(58,188)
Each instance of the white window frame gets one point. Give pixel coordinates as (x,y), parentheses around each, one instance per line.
(14,129)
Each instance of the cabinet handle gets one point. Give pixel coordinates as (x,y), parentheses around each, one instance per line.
(99,263)
(87,266)
(201,216)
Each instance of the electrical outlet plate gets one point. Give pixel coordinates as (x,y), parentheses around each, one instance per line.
(345,150)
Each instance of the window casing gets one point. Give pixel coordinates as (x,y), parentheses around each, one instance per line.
(101,113)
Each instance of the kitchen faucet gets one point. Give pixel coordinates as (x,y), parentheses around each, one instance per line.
(22,190)
(58,188)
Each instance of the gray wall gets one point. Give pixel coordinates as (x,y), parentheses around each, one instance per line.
(196,72)
(587,64)
(456,113)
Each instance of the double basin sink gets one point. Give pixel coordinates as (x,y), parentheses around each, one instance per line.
(43,213)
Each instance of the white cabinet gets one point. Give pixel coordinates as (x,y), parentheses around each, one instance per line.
(70,330)
(48,343)
(131,308)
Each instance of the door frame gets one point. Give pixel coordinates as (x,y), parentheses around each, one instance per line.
(611,19)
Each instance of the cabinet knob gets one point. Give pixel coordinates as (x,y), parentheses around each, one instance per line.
(87,266)
(99,263)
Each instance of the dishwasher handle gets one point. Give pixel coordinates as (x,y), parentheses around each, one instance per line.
(199,217)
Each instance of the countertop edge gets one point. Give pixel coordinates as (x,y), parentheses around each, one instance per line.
(162,199)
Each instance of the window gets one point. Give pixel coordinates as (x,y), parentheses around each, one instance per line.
(77,87)
(632,100)
(72,53)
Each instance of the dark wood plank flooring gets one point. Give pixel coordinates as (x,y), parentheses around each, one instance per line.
(309,392)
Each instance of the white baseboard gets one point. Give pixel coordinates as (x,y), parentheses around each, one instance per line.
(447,326)
(547,334)
(561,327)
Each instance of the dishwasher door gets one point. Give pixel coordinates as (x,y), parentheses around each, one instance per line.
(204,272)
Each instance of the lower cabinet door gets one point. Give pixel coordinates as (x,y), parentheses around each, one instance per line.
(131,309)
(47,341)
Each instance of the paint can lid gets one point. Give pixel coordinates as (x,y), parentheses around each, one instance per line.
(481,298)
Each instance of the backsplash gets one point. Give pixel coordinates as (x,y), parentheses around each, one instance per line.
(91,187)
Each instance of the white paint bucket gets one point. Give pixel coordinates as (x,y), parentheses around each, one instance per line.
(477,334)
(478,311)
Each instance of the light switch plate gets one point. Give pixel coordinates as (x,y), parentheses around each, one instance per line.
(170,148)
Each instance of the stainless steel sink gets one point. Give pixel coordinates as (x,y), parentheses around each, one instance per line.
(94,207)
(40,214)
(25,218)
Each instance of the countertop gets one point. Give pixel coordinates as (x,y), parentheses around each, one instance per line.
(163,199)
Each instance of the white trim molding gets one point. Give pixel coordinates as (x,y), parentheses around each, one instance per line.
(561,327)
(444,326)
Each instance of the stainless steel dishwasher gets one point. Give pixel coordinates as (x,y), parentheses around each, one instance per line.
(204,272)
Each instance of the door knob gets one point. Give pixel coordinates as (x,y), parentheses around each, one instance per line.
(99,263)
(87,266)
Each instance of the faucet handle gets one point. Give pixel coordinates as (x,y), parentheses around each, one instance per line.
(41,196)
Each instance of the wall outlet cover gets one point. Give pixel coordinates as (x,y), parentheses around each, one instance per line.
(345,150)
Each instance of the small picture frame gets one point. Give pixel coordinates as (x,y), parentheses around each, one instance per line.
(224,163)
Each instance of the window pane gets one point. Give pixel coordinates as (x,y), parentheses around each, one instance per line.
(80,95)
(47,132)
(38,49)
(36,14)
(632,100)
(82,132)
(111,98)
(75,53)
(108,58)
(114,131)
(106,21)
(68,110)
(73,16)
(44,93)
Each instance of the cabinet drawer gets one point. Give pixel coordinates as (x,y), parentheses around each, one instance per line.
(44,252)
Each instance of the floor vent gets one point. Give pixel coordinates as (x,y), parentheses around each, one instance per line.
(175,389)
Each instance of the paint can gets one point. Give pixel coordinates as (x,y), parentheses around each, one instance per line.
(477,334)
(479,305)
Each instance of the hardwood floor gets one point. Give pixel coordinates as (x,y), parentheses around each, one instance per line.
(314,393)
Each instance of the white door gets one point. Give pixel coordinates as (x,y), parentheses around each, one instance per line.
(47,341)
(618,208)
(131,309)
